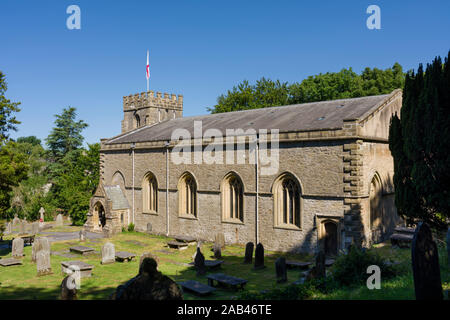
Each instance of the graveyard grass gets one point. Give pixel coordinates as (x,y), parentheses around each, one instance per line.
(21,282)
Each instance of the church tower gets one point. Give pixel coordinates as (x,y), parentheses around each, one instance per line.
(140,109)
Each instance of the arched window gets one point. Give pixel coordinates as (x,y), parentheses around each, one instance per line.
(232,198)
(376,208)
(137,120)
(150,194)
(287,201)
(187,191)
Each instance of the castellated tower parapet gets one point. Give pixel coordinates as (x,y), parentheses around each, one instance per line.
(147,108)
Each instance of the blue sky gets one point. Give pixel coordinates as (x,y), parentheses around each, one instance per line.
(197,48)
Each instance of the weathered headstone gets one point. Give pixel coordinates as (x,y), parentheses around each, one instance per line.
(108,253)
(199,262)
(220,240)
(425,264)
(248,252)
(320,265)
(149,284)
(149,227)
(9,228)
(448,247)
(68,288)
(17,248)
(281,269)
(16,221)
(259,257)
(59,220)
(35,228)
(217,251)
(22,227)
(82,235)
(39,244)
(41,214)
(147,255)
(43,263)
(199,246)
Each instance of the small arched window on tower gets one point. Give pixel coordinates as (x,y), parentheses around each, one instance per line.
(187,196)
(287,202)
(150,194)
(232,199)
(137,120)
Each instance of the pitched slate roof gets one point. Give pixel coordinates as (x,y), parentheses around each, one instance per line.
(115,194)
(321,115)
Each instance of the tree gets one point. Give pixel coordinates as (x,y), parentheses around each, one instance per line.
(66,136)
(8,120)
(420,144)
(13,169)
(328,86)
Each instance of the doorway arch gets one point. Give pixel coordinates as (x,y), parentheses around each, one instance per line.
(99,216)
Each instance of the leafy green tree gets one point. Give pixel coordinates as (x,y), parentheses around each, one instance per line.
(420,144)
(66,135)
(328,86)
(8,109)
(13,169)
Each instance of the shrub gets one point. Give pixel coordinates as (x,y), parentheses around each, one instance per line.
(351,269)
(131,227)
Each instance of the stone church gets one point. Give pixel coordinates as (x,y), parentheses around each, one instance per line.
(332,185)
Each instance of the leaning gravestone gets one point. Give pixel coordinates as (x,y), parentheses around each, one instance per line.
(199,262)
(17,248)
(281,269)
(259,257)
(220,241)
(59,220)
(108,253)
(425,264)
(448,247)
(248,253)
(43,263)
(41,214)
(82,235)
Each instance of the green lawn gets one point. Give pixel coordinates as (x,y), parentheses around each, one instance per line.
(21,282)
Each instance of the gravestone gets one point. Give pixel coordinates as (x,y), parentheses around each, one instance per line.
(82,235)
(248,252)
(149,284)
(220,241)
(35,227)
(39,244)
(320,265)
(108,253)
(149,227)
(17,248)
(9,228)
(59,220)
(68,288)
(448,247)
(259,257)
(199,246)
(41,214)
(43,263)
(16,221)
(22,227)
(281,269)
(199,262)
(147,255)
(217,251)
(425,264)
